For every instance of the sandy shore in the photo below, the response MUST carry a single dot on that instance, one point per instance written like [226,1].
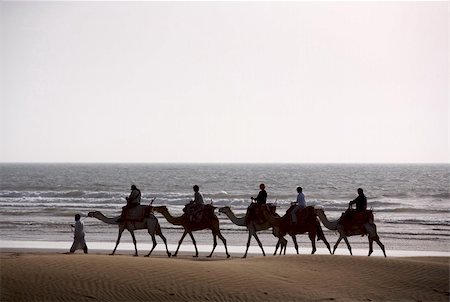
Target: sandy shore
[27,276]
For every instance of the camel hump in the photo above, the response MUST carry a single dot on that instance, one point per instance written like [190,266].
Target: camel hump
[257,212]
[354,218]
[199,212]
[305,212]
[139,213]
[272,208]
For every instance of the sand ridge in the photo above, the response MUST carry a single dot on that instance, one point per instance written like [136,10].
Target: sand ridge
[59,277]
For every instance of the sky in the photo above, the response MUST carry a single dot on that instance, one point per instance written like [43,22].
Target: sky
[257,82]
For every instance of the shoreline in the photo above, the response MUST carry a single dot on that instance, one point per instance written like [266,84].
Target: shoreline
[12,246]
[29,276]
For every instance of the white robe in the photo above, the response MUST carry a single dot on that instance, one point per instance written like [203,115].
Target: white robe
[79,242]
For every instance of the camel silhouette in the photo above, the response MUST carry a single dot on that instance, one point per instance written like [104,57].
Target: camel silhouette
[148,222]
[307,222]
[345,230]
[253,226]
[208,221]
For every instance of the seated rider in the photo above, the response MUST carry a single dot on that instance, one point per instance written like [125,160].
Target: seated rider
[195,205]
[360,201]
[262,195]
[300,204]
[261,199]
[132,201]
[361,205]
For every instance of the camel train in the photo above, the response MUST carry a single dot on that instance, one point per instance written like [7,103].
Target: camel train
[258,218]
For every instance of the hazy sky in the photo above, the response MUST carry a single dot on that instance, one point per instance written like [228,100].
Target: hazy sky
[224,82]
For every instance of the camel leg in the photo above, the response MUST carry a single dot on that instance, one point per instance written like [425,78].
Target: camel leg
[374,237]
[276,247]
[214,245]
[281,243]
[224,243]
[326,243]
[151,228]
[377,240]
[195,244]
[154,244]
[370,246]
[321,236]
[348,245]
[117,241]
[134,242]
[259,243]
[337,243]
[165,243]
[294,239]
[312,237]
[179,243]
[248,244]
[381,246]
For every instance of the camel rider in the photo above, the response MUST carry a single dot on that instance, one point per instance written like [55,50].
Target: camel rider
[198,197]
[261,199]
[132,201]
[195,206]
[262,195]
[361,205]
[300,204]
[360,201]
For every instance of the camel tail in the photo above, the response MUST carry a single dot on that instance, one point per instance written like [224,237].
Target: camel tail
[320,234]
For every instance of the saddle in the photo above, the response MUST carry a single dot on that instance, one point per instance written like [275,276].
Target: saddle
[198,212]
[256,212]
[303,215]
[353,219]
[138,213]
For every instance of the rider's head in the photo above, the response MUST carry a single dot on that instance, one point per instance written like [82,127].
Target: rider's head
[133,187]
[77,217]
[299,189]
[196,188]
[262,186]
[360,191]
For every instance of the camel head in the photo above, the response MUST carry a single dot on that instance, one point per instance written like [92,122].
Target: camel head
[160,209]
[319,210]
[225,210]
[93,214]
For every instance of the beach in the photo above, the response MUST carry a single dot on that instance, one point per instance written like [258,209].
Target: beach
[49,276]
[38,203]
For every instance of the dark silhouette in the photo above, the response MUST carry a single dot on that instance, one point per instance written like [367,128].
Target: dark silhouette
[262,195]
[209,220]
[255,224]
[298,205]
[254,210]
[132,201]
[361,206]
[307,223]
[195,207]
[360,201]
[144,219]
[362,226]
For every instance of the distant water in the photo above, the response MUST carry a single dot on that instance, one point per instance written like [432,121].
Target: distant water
[411,202]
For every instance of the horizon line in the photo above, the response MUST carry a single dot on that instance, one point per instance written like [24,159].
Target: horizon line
[231,163]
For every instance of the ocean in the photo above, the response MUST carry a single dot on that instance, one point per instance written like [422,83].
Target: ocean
[38,201]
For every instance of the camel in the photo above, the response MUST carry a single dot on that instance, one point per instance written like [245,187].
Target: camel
[149,222]
[208,221]
[307,223]
[345,231]
[252,226]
